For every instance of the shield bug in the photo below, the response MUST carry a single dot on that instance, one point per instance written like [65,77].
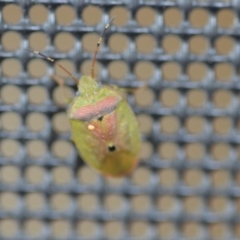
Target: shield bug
[103,125]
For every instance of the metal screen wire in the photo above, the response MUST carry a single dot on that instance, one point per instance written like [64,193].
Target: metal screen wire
[187,185]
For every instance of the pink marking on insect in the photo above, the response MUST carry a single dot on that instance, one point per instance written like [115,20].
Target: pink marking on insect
[96,110]
[103,131]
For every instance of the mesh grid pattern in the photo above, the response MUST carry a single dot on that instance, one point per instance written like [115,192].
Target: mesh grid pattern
[187,184]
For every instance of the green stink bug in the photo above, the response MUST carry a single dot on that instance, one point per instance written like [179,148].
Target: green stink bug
[103,125]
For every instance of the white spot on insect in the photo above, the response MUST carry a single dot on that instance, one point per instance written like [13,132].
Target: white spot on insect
[91,127]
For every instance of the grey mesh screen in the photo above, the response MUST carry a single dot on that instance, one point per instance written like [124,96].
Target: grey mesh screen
[187,185]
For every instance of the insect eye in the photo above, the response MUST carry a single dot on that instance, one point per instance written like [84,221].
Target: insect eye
[100,118]
[111,148]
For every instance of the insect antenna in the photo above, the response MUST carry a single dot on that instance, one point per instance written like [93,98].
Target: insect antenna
[53,61]
[97,48]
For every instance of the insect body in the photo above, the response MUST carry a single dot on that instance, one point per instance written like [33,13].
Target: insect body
[104,127]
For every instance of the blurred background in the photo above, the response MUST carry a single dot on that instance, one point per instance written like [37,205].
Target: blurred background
[187,185]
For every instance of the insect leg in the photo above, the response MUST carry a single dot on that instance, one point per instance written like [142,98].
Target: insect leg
[134,89]
[61,84]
